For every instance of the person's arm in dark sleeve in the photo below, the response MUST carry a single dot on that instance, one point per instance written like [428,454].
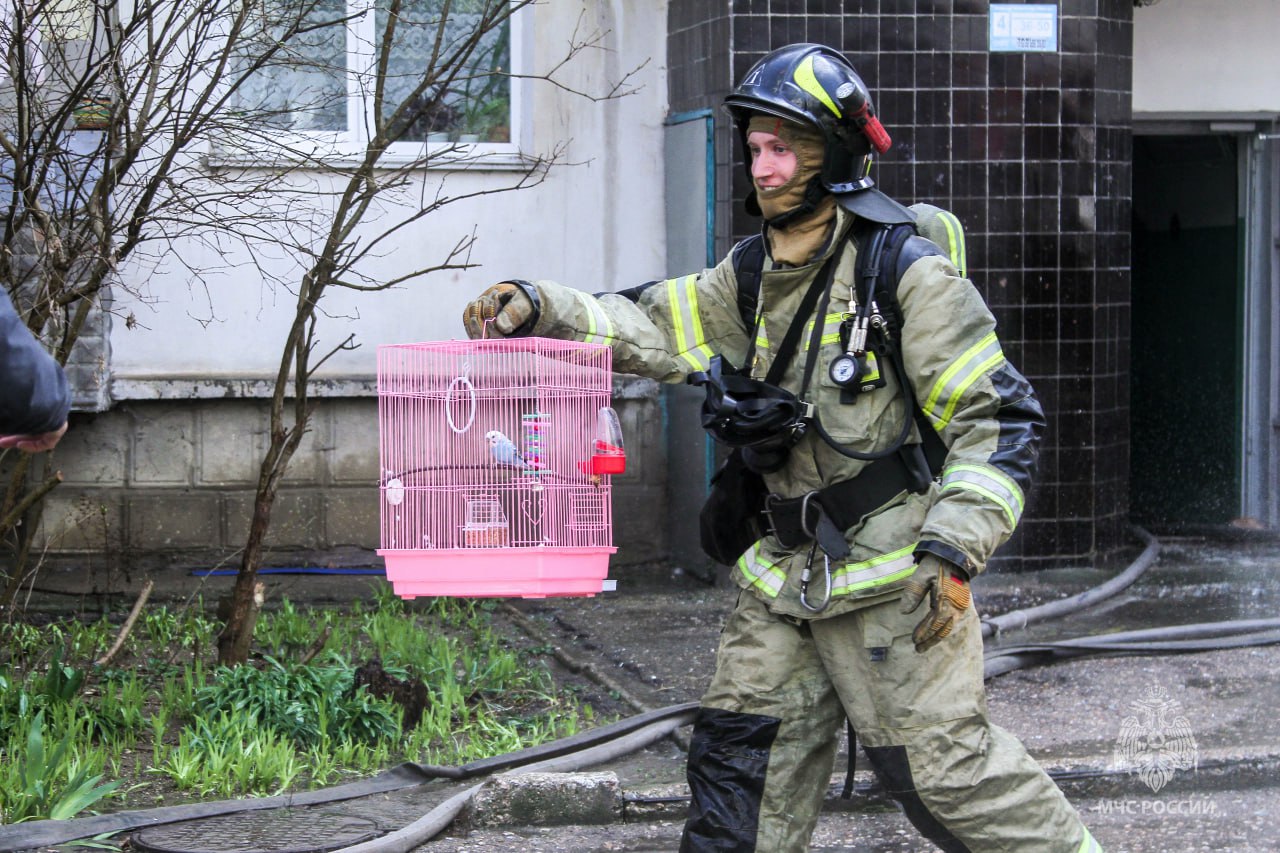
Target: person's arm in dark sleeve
[34,396]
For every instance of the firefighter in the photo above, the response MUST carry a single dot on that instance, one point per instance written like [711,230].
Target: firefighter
[855,603]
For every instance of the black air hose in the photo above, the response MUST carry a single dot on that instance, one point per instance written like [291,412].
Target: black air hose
[1199,637]
[46,833]
[435,821]
[1086,599]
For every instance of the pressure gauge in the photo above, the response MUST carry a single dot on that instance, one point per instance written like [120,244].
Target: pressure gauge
[845,370]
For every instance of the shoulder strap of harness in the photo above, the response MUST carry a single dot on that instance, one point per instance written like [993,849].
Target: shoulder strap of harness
[900,248]
[748,266]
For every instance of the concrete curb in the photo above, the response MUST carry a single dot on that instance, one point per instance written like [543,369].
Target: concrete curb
[547,799]
[558,799]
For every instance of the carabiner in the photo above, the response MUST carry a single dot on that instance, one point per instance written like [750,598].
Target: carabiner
[805,576]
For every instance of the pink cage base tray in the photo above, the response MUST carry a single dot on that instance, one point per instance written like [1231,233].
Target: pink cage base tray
[500,572]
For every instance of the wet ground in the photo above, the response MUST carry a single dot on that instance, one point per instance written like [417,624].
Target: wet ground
[660,640]
[653,641]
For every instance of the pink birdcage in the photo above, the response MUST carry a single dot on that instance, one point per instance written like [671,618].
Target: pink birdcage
[496,458]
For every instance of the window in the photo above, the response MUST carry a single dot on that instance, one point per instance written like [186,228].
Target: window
[322,84]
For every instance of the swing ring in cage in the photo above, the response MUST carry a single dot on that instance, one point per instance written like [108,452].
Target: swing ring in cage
[465,386]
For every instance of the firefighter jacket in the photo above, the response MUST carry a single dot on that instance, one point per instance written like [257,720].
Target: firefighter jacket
[984,410]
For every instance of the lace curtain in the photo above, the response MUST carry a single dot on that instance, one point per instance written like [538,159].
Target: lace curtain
[305,85]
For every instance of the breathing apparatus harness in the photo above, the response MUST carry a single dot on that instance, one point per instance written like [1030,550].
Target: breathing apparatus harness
[763,421]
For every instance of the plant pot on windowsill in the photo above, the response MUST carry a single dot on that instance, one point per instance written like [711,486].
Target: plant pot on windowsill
[93,114]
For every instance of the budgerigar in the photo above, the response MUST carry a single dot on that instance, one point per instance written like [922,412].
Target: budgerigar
[503,450]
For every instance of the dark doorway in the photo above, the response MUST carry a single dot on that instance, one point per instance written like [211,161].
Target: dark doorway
[1187,374]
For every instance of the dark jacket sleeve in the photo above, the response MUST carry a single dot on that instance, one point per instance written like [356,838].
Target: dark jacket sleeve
[34,397]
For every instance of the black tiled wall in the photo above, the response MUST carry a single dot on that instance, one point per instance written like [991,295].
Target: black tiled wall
[1032,152]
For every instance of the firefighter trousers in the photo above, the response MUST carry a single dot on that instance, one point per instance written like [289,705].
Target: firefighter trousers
[764,743]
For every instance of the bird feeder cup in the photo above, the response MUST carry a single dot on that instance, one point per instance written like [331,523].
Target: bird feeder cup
[496,459]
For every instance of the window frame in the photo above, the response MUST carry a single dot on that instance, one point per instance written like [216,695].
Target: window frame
[344,148]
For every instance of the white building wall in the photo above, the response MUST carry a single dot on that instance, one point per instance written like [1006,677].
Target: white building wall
[596,224]
[1207,57]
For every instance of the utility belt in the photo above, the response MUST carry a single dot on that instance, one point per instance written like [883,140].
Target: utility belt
[822,516]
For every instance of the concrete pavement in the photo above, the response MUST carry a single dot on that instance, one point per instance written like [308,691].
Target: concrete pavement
[1078,718]
[1095,723]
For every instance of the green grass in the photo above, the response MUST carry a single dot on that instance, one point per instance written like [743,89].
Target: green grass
[164,724]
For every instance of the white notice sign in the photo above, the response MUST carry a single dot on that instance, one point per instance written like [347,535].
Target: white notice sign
[1024,28]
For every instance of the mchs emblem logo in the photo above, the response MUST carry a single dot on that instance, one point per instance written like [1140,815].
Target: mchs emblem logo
[1156,741]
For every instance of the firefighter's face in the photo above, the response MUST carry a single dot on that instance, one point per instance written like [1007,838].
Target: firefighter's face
[773,161]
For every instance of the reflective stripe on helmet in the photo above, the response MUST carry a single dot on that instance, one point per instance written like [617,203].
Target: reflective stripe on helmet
[878,571]
[691,341]
[807,80]
[989,482]
[975,362]
[762,574]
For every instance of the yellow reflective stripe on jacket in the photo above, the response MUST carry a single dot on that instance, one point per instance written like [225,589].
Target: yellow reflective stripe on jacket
[830,330]
[989,482]
[977,361]
[691,343]
[872,373]
[877,571]
[762,339]
[955,240]
[599,326]
[763,575]
[1089,845]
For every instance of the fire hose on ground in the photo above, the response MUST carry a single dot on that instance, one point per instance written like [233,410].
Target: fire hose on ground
[633,733]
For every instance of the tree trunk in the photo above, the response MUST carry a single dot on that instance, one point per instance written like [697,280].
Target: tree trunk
[247,594]
[234,649]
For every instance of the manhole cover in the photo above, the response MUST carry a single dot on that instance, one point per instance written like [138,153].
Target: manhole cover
[267,831]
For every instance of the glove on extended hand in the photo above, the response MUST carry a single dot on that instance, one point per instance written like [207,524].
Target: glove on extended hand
[949,597]
[506,304]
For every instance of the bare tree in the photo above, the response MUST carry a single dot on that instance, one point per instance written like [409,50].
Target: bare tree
[462,77]
[105,108]
[212,122]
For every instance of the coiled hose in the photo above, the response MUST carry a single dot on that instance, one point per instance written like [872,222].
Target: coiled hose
[625,736]
[580,750]
[1083,601]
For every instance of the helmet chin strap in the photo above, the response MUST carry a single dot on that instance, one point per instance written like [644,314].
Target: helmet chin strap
[814,192]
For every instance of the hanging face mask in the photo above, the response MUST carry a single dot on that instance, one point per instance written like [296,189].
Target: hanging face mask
[764,420]
[759,416]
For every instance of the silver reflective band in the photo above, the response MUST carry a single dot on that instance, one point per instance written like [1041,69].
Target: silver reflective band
[762,574]
[988,482]
[877,571]
[691,341]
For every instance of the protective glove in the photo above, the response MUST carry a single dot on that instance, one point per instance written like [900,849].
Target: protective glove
[506,304]
[949,597]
